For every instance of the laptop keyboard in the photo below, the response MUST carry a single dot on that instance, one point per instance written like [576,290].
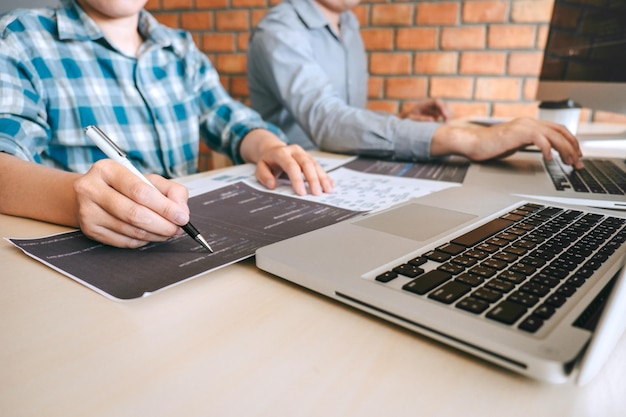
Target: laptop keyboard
[599,176]
[517,269]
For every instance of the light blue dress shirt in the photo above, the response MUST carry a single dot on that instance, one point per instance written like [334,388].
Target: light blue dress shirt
[59,74]
[312,83]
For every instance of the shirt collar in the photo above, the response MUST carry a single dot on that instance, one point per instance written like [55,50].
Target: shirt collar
[313,17]
[75,24]
[309,13]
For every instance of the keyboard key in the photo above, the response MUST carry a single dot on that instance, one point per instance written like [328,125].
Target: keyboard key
[544,311]
[483,271]
[437,256]
[427,282]
[451,248]
[419,261]
[482,232]
[523,298]
[408,270]
[450,292]
[507,312]
[487,294]
[451,268]
[531,324]
[473,305]
[387,276]
[470,279]
[500,285]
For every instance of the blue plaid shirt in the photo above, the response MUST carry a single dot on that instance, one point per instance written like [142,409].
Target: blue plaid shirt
[59,74]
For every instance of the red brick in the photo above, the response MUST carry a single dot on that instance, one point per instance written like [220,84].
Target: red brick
[531,10]
[257,15]
[176,4]
[377,39]
[462,109]
[196,21]
[417,38]
[211,4]
[437,13]
[168,19]
[515,110]
[242,41]
[392,14]
[542,37]
[525,63]
[362,14]
[435,63]
[485,11]
[152,5]
[451,87]
[231,63]
[390,63]
[248,3]
[493,63]
[232,20]
[472,37]
[511,36]
[497,89]
[218,42]
[530,89]
[406,88]
[239,87]
[383,106]
[375,87]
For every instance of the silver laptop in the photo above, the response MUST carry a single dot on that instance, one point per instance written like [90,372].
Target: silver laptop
[601,184]
[518,282]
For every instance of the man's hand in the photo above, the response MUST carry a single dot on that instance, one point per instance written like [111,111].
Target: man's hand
[117,208]
[481,143]
[433,110]
[273,157]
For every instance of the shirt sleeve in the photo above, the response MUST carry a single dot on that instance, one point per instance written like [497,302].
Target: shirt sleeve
[24,131]
[286,63]
[224,121]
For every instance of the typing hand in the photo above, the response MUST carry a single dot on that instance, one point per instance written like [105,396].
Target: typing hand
[483,143]
[117,208]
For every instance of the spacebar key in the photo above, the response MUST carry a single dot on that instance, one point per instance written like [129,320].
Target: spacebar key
[483,232]
[427,282]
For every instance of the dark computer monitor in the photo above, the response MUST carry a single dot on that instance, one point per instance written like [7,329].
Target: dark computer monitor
[585,55]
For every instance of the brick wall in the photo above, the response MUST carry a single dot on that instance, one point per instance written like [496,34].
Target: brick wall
[481,56]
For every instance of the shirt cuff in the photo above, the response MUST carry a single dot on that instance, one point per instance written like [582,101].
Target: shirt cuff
[413,139]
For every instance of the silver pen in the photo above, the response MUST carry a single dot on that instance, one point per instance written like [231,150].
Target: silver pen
[111,150]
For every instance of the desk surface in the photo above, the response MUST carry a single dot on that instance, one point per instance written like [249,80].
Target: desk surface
[240,342]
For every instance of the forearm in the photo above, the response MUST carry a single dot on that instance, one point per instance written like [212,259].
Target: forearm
[37,191]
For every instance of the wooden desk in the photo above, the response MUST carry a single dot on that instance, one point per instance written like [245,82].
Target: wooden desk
[239,342]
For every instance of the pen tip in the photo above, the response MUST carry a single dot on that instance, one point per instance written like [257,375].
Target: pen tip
[204,243]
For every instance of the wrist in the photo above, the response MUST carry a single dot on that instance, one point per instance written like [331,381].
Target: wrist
[256,143]
[453,140]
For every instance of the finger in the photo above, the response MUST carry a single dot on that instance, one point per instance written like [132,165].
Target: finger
[99,225]
[559,138]
[175,192]
[265,175]
[294,172]
[311,170]
[138,217]
[134,188]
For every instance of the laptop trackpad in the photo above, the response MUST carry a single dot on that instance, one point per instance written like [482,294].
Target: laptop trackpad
[415,221]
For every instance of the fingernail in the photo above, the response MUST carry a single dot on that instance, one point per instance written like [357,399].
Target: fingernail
[181,218]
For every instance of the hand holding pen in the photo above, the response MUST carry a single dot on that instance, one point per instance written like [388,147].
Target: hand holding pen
[115,210]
